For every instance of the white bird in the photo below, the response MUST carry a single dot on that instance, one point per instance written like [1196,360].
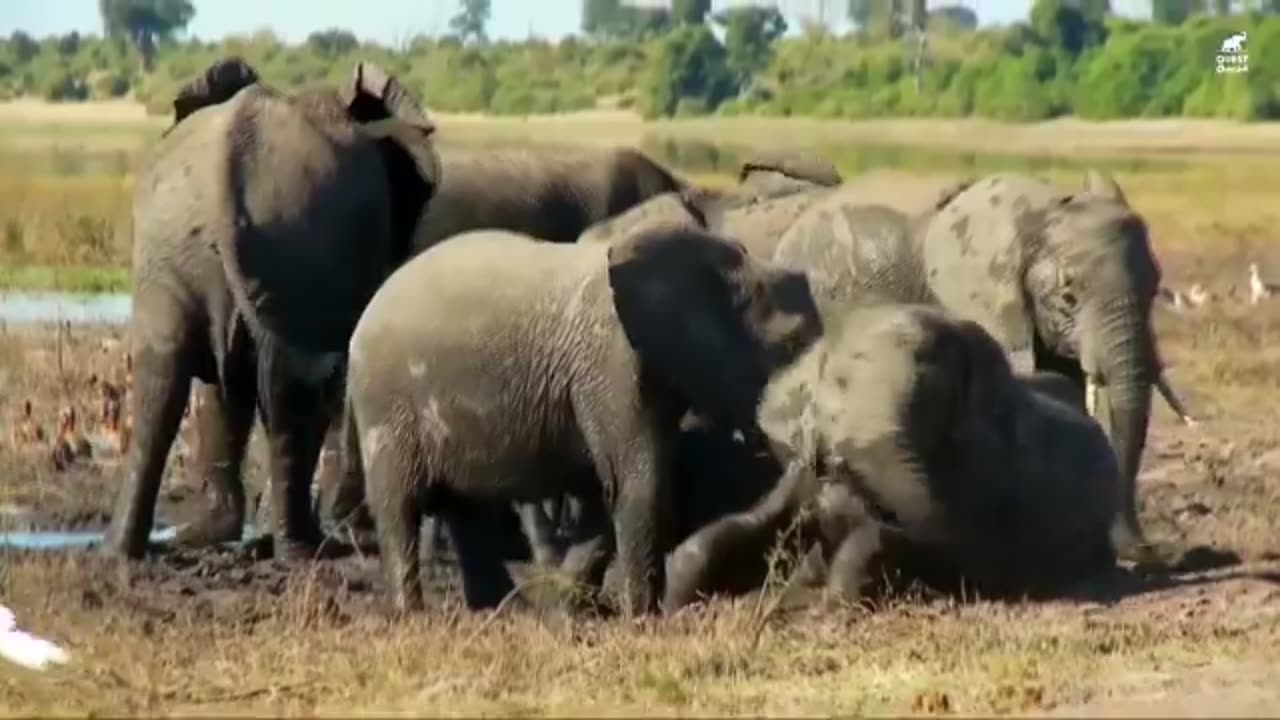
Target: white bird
[1175,299]
[1197,295]
[25,649]
[1259,289]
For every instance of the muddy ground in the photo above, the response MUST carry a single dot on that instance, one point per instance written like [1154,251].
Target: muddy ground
[1203,640]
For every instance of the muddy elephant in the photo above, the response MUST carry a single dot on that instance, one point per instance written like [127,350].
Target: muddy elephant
[530,370]
[906,437]
[1065,282]
[771,174]
[262,226]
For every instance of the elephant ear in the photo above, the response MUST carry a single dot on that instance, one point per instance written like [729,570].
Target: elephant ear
[374,95]
[950,191]
[694,308]
[1100,184]
[974,259]
[218,83]
[390,114]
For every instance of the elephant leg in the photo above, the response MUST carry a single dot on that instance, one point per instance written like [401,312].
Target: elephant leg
[733,550]
[295,417]
[851,538]
[540,532]
[485,579]
[222,429]
[396,507]
[162,366]
[639,508]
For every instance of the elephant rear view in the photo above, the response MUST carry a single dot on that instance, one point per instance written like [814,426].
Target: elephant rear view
[530,369]
[262,226]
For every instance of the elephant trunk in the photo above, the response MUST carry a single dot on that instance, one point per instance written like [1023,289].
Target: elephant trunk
[1121,357]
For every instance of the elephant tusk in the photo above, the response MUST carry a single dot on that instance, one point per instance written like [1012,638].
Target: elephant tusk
[1171,397]
[1090,396]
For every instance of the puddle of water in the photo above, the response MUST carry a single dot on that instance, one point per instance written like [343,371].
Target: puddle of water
[80,539]
[29,308]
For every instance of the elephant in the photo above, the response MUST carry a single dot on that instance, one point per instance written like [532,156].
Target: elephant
[239,214]
[1064,282]
[771,174]
[553,194]
[530,370]
[906,437]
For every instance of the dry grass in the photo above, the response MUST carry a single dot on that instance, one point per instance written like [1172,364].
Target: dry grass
[302,652]
[251,638]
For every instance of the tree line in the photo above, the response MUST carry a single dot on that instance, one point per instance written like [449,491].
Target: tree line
[1070,57]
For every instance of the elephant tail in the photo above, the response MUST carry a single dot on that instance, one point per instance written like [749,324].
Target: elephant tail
[350,495]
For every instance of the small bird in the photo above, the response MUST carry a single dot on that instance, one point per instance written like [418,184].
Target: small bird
[1259,289]
[1175,299]
[25,649]
[70,445]
[25,431]
[1198,296]
[116,425]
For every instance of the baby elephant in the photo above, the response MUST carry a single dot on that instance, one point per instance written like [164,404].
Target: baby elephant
[905,436]
[496,369]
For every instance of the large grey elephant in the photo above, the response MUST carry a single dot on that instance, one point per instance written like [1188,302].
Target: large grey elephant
[1064,282]
[905,434]
[529,370]
[262,226]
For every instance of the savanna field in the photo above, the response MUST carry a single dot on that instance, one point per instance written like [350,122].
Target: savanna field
[225,633]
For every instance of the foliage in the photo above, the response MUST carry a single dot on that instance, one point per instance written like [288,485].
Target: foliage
[143,23]
[1071,57]
[469,23]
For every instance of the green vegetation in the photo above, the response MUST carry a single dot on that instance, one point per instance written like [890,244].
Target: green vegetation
[1069,58]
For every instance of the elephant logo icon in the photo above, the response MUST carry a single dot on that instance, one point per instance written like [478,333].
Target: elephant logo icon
[1234,43]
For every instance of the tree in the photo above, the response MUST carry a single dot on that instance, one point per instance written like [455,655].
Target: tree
[470,20]
[749,33]
[598,16]
[332,42]
[860,13]
[1170,12]
[689,71]
[143,23]
[690,12]
[957,16]
[1063,24]
[612,19]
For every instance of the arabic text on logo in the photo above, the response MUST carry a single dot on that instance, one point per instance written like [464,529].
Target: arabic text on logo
[1232,57]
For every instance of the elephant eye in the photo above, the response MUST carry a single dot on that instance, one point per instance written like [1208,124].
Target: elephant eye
[1070,299]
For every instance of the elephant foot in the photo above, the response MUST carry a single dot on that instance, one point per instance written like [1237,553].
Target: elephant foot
[213,529]
[321,547]
[686,567]
[1130,546]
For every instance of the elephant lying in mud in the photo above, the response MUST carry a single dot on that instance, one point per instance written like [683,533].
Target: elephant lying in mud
[231,241]
[1064,282]
[905,435]
[529,370]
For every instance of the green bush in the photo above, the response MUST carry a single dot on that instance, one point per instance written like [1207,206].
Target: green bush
[1063,61]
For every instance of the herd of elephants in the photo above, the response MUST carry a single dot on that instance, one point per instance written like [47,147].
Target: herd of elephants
[636,380]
